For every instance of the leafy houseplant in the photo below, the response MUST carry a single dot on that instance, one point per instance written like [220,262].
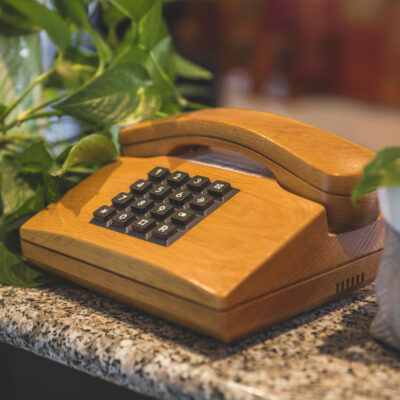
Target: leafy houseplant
[383,173]
[114,65]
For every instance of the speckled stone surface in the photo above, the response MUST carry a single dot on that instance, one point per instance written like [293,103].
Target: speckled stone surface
[324,354]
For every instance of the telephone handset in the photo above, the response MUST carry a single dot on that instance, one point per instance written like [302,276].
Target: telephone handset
[221,252]
[305,160]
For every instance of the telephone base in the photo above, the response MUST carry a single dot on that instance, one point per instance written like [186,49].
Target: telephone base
[226,325]
[262,256]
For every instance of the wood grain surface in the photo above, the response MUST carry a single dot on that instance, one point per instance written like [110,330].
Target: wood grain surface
[260,242]
[305,160]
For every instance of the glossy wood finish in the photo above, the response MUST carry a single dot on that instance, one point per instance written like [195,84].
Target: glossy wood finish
[263,243]
[305,160]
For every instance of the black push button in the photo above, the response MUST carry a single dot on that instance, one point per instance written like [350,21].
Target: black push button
[164,206]
[219,188]
[104,213]
[161,211]
[183,217]
[201,202]
[123,219]
[141,186]
[164,231]
[198,183]
[143,224]
[141,205]
[158,174]
[178,178]
[180,197]
[122,200]
[159,191]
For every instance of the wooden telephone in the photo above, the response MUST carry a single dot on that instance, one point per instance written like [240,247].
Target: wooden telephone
[247,252]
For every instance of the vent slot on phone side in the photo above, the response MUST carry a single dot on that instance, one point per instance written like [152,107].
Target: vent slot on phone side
[350,282]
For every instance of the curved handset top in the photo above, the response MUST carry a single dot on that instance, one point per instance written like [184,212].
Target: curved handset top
[305,160]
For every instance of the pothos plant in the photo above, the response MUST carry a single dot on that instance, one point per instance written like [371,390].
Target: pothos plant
[120,69]
[382,171]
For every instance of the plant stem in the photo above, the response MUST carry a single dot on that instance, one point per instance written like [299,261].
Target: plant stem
[20,120]
[35,82]
[32,110]
[13,138]
[181,100]
[195,106]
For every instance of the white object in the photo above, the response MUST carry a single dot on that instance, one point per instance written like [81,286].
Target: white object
[386,324]
[389,201]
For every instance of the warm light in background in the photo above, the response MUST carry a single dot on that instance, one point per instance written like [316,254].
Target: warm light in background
[332,63]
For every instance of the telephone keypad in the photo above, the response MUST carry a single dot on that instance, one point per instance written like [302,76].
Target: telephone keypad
[201,202]
[198,183]
[164,230]
[141,205]
[180,197]
[143,224]
[158,174]
[219,188]
[183,216]
[164,207]
[159,191]
[122,200]
[161,211]
[178,178]
[141,186]
[104,213]
[123,219]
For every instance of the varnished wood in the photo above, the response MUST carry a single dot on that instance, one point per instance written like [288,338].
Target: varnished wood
[263,242]
[226,325]
[305,160]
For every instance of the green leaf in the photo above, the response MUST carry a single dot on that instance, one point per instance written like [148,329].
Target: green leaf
[187,69]
[134,9]
[18,72]
[52,191]
[35,158]
[30,206]
[128,39]
[163,80]
[132,54]
[2,108]
[92,148]
[170,108]
[75,70]
[192,90]
[149,103]
[150,26]
[63,155]
[78,14]
[162,53]
[14,23]
[109,98]
[112,16]
[49,20]
[14,188]
[71,10]
[15,270]
[383,170]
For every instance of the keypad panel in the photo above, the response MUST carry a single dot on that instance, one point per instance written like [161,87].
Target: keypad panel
[163,207]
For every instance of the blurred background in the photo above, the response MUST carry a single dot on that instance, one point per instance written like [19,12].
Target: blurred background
[334,64]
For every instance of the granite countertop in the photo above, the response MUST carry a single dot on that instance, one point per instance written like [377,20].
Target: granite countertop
[326,353]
